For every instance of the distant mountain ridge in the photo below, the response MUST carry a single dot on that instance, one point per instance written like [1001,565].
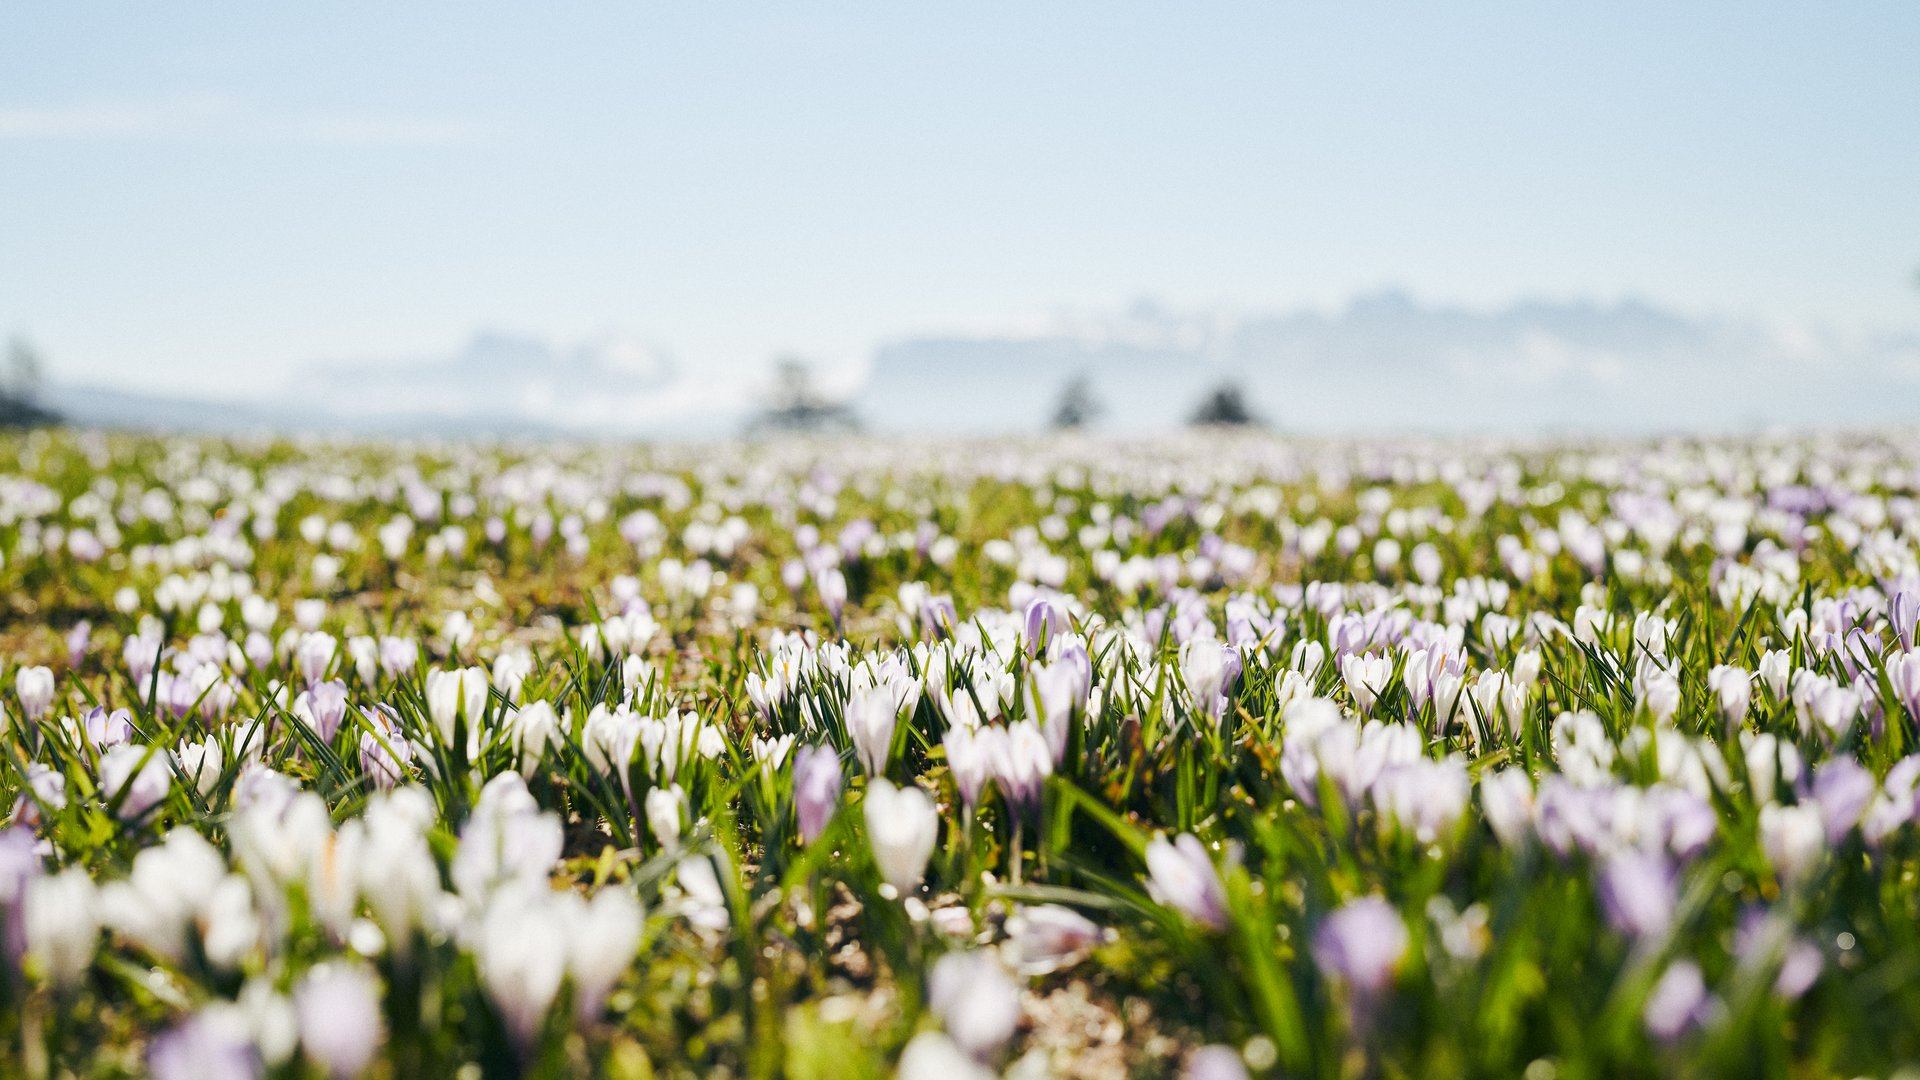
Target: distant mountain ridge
[1388,362]
[1383,362]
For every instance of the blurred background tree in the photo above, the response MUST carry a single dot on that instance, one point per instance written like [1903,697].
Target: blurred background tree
[1078,407]
[20,391]
[797,404]
[1225,406]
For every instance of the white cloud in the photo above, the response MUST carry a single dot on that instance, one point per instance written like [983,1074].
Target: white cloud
[608,385]
[223,117]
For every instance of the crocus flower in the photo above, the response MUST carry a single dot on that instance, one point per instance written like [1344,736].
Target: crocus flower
[323,708]
[1678,1002]
[1362,944]
[1047,937]
[1637,894]
[19,866]
[931,1055]
[200,763]
[816,789]
[1903,672]
[1776,672]
[604,935]
[457,696]
[706,901]
[1047,617]
[871,714]
[142,655]
[535,727]
[385,753]
[313,654]
[1903,611]
[970,753]
[1424,799]
[1733,688]
[1842,789]
[34,686]
[1794,839]
[78,639]
[1181,875]
[1366,678]
[832,585]
[60,924]
[104,730]
[975,1000]
[1209,669]
[522,958]
[203,1047]
[666,807]
[938,616]
[46,790]
[1661,695]
[1506,801]
[1021,764]
[137,778]
[1054,693]
[1217,1062]
[902,826]
[337,1006]
[1764,939]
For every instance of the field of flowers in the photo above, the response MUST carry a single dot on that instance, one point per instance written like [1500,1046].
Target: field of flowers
[1207,756]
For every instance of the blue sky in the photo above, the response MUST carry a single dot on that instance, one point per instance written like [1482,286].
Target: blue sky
[207,198]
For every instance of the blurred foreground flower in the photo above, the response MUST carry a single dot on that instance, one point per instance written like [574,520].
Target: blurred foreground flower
[1181,875]
[975,1000]
[902,826]
[1362,944]
[338,1009]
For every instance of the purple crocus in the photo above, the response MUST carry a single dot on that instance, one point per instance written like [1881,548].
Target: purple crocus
[1763,939]
[817,780]
[1362,944]
[104,730]
[1842,788]
[1047,618]
[938,616]
[200,1048]
[1637,894]
[19,864]
[78,639]
[1903,610]
[327,708]
[1678,1002]
[142,653]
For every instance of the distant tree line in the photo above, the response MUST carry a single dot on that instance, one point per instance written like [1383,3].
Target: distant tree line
[1224,406]
[795,403]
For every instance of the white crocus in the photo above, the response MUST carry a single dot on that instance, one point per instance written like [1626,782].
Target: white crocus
[61,926]
[902,826]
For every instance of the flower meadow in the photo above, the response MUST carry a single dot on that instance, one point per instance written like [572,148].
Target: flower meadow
[1210,755]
